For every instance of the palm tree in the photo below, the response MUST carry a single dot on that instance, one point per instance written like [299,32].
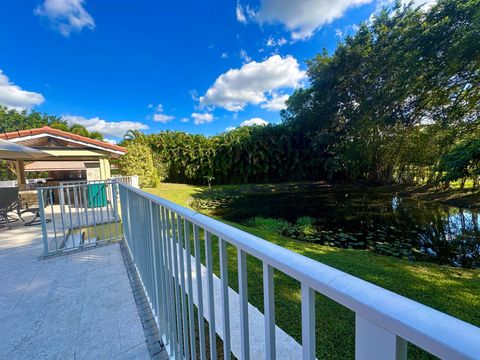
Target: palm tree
[132,135]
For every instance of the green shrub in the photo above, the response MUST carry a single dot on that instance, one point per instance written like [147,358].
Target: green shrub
[139,161]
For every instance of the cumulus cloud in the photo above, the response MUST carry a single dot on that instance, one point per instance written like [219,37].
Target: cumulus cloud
[254,121]
[14,97]
[275,103]
[236,88]
[302,17]
[66,15]
[204,118]
[162,118]
[184,120]
[106,128]
[159,116]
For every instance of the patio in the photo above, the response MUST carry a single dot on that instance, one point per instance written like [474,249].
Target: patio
[78,306]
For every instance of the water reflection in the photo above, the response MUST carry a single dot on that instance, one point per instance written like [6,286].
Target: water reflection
[387,224]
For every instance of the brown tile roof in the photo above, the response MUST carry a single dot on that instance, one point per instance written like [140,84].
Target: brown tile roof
[64,134]
[55,165]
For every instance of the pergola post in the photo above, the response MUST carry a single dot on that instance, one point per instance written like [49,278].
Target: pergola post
[20,170]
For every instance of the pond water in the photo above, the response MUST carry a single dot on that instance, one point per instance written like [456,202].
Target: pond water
[378,221]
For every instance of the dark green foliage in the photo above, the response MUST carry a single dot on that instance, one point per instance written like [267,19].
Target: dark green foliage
[461,162]
[13,120]
[370,101]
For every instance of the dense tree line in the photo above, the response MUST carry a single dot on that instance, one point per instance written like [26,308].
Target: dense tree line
[398,101]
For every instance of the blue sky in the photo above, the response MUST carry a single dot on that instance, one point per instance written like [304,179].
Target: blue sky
[196,66]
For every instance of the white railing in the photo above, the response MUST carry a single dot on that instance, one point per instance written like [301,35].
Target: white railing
[131,180]
[159,235]
[77,214]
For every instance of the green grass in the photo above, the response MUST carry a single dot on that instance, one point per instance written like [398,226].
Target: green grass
[451,290]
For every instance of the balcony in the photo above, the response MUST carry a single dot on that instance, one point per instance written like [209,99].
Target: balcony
[125,274]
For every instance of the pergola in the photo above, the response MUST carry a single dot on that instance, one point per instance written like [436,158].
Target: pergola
[55,147]
[14,152]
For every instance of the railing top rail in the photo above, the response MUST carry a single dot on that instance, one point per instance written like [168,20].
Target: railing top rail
[432,330]
[76,184]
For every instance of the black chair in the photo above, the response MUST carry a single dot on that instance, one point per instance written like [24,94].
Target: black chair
[9,202]
[36,211]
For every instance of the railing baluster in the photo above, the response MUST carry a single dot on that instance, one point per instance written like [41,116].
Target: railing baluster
[198,275]
[162,266]
[173,328]
[243,293]
[84,195]
[373,342]
[53,217]
[308,322]
[211,299]
[176,285]
[157,269]
[46,249]
[181,259]
[269,310]
[225,304]
[191,313]
[168,280]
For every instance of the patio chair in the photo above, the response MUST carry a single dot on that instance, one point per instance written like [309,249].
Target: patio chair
[9,202]
[36,210]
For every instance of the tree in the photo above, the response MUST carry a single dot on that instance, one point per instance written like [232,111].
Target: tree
[139,161]
[132,135]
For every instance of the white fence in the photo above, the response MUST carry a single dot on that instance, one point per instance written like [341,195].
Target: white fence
[158,232]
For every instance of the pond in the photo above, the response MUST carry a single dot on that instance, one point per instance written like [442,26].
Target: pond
[361,219]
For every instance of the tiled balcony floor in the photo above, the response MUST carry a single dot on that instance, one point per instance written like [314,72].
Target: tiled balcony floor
[78,306]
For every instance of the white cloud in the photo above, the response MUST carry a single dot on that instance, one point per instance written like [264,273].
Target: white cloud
[184,120]
[230,128]
[275,103]
[303,17]
[254,121]
[276,42]
[66,15]
[202,118]
[162,118]
[14,97]
[236,88]
[158,116]
[244,56]
[110,141]
[240,14]
[106,128]
[224,55]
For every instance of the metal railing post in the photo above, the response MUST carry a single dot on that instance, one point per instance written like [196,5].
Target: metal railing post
[46,250]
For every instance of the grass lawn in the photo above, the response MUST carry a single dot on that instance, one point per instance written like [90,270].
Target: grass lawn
[451,290]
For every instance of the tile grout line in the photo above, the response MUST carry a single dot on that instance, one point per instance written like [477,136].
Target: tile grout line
[155,346]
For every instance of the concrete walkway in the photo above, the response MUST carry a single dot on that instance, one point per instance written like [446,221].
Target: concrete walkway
[78,306]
